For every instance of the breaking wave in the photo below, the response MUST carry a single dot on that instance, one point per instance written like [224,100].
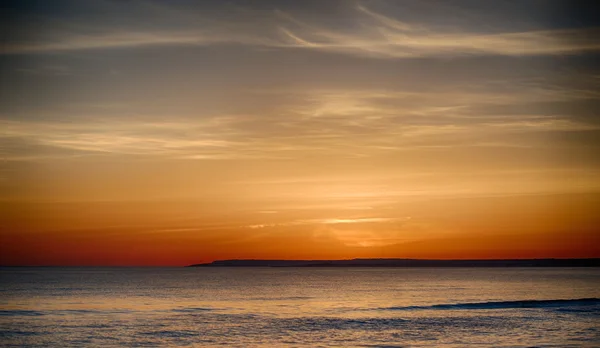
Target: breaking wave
[583,302]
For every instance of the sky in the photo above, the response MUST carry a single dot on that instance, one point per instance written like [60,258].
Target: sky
[180,132]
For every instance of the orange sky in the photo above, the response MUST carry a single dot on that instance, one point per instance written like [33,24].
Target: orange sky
[179,233]
[146,133]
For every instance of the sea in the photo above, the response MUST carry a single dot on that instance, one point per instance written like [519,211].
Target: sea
[299,307]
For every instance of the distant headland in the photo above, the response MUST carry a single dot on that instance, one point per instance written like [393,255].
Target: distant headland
[593,262]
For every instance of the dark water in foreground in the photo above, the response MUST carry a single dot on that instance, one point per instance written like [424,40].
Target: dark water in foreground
[373,307]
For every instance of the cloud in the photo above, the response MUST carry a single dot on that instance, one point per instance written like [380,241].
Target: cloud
[126,39]
[394,38]
[332,221]
[365,33]
[347,123]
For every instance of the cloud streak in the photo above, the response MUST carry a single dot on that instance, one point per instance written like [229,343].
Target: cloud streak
[389,38]
[342,122]
[367,33]
[365,220]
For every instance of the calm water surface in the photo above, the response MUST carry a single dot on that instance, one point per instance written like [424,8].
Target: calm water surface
[245,307]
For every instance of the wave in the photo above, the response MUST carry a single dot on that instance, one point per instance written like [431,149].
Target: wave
[583,302]
[33,313]
[192,309]
[287,298]
[171,333]
[19,312]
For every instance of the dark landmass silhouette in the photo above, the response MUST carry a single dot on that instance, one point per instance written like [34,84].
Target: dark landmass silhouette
[593,262]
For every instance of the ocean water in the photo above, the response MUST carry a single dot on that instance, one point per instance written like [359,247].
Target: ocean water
[317,307]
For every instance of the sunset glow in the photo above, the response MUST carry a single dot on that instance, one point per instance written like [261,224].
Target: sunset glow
[173,133]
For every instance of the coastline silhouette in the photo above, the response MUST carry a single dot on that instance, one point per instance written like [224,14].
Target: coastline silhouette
[583,262]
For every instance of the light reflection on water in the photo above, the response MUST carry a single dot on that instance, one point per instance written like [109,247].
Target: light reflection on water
[298,306]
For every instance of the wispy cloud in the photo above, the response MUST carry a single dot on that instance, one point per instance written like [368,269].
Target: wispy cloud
[108,40]
[368,33]
[138,138]
[333,221]
[342,122]
[391,38]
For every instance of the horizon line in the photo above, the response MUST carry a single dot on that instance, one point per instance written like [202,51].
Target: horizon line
[306,260]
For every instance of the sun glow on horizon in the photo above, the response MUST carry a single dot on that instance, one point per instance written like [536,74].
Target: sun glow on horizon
[161,133]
